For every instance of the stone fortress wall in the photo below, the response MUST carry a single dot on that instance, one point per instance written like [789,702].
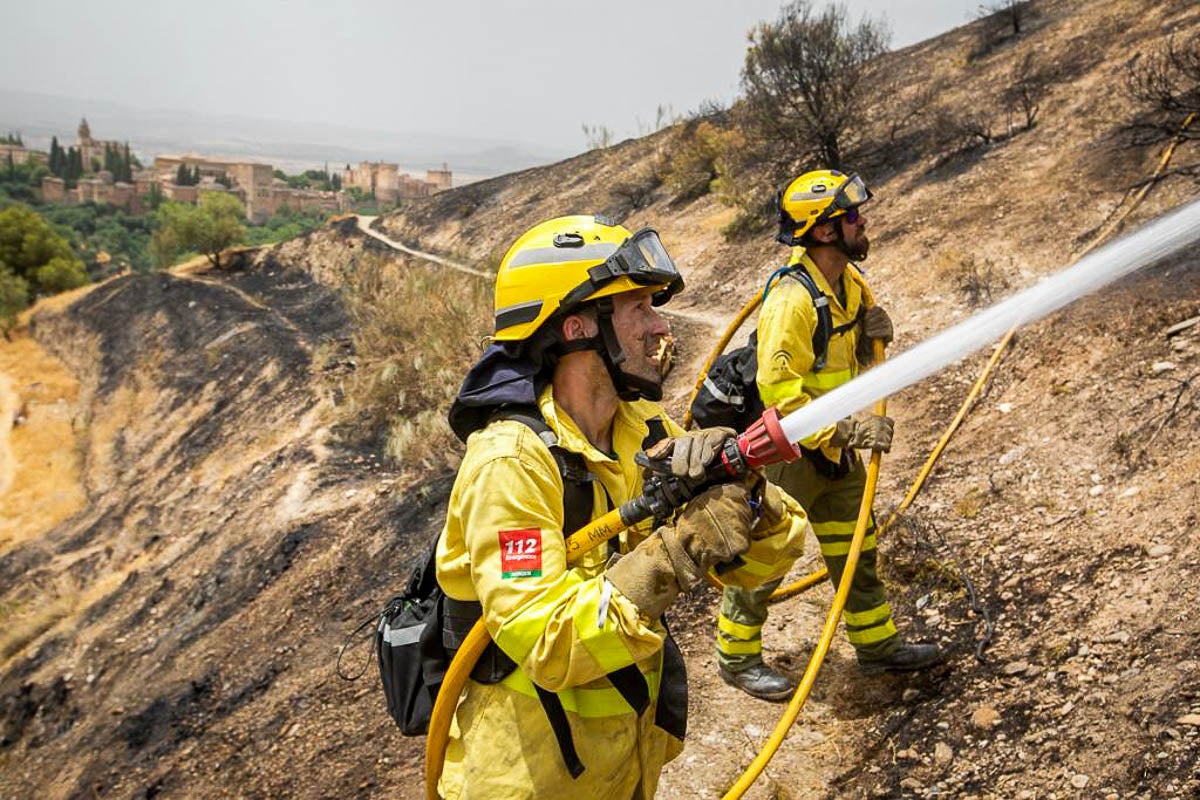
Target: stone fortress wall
[253,182]
[387,184]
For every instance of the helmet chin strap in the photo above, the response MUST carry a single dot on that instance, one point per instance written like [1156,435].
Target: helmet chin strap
[608,347]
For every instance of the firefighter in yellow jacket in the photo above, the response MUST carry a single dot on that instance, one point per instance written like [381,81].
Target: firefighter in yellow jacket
[821,219]
[583,693]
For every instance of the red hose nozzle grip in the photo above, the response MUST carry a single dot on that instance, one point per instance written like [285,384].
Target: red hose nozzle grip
[763,442]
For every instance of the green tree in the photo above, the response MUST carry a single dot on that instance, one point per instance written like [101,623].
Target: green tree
[56,157]
[14,296]
[73,169]
[34,252]
[154,197]
[127,169]
[208,228]
[804,77]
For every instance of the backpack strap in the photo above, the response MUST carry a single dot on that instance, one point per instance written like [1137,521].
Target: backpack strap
[825,330]
[840,329]
[577,481]
[561,727]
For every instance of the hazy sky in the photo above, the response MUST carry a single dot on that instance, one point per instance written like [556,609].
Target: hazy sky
[521,70]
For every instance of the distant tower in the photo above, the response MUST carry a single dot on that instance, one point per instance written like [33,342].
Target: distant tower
[440,178]
[87,146]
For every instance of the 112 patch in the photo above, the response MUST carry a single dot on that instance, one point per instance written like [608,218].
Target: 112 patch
[521,553]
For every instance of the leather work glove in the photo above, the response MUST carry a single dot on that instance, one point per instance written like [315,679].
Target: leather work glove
[712,529]
[876,324]
[693,452]
[871,433]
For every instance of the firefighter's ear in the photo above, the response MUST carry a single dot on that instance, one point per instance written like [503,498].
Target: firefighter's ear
[578,326]
[825,233]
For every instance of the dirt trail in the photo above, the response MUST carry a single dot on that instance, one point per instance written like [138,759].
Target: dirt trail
[364,224]
[39,456]
[8,411]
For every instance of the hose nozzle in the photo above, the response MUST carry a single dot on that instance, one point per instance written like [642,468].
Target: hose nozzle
[764,442]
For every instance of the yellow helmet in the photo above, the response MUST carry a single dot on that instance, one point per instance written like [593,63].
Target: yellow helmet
[560,264]
[817,197]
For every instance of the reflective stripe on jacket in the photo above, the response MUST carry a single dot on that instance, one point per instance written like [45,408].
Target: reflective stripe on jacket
[785,354]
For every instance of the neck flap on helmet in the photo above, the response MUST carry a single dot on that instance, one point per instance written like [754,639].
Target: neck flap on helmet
[506,374]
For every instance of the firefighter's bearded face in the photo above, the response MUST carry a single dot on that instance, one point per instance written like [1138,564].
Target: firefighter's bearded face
[855,243]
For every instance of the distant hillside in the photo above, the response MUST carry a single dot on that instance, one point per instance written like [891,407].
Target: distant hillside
[152,131]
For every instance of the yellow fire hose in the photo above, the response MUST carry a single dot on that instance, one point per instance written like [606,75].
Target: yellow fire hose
[742,785]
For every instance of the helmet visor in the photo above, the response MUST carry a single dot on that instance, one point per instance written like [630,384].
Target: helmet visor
[850,194]
[643,259]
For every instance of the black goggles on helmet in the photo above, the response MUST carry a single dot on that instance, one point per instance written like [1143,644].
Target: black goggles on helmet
[641,258]
[851,194]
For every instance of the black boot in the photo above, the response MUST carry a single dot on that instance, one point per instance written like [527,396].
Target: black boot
[760,681]
[903,658]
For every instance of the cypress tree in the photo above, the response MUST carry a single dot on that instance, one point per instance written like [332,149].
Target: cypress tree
[74,165]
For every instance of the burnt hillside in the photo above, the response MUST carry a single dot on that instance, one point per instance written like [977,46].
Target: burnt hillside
[178,636]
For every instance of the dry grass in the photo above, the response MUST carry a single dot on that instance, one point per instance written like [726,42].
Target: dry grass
[39,454]
[978,280]
[970,504]
[418,331]
[691,168]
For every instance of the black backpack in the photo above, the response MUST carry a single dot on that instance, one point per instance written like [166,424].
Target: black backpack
[729,396]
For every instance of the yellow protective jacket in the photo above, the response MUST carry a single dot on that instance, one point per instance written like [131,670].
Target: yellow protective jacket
[566,628]
[786,324]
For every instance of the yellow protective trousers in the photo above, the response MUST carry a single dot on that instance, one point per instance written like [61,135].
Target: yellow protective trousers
[832,506]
